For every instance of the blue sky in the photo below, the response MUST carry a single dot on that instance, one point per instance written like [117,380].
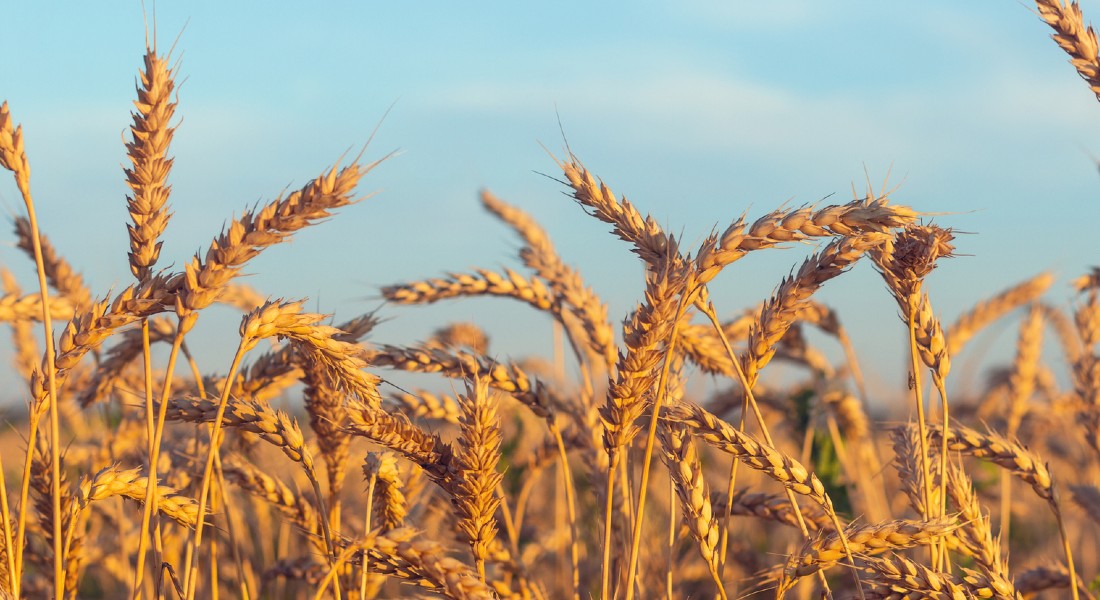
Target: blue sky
[696,111]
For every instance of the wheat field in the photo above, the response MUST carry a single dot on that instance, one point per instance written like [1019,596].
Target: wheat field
[306,468]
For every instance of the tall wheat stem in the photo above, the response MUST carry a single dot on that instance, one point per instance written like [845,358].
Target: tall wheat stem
[922,430]
[154,450]
[22,180]
[151,432]
[5,513]
[658,401]
[571,507]
[189,578]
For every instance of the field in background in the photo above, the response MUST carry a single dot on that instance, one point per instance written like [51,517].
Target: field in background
[596,475]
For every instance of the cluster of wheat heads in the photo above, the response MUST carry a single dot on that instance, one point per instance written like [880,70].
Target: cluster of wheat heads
[611,483]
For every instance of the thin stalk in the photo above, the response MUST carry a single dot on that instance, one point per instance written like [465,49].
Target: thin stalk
[51,378]
[914,357]
[658,401]
[188,580]
[34,418]
[942,389]
[605,570]
[509,523]
[154,448]
[234,546]
[365,575]
[151,433]
[1066,548]
[5,513]
[571,507]
[671,536]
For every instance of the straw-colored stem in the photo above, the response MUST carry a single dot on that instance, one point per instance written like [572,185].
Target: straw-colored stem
[671,537]
[234,546]
[1066,548]
[368,513]
[150,432]
[154,447]
[571,507]
[23,183]
[5,513]
[605,569]
[942,389]
[922,430]
[651,439]
[24,491]
[189,578]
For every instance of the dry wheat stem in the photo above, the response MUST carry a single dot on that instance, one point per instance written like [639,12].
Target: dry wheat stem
[13,157]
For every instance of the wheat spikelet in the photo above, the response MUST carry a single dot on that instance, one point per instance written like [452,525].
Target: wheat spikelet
[206,277]
[779,313]
[15,308]
[325,405]
[649,240]
[395,432]
[127,349]
[639,368]
[505,377]
[27,354]
[113,481]
[274,427]
[1088,498]
[454,579]
[427,405]
[910,474]
[974,533]
[748,450]
[1024,368]
[1037,579]
[1012,456]
[826,550]
[1072,36]
[682,460]
[13,156]
[390,505]
[272,491]
[148,148]
[771,507]
[475,464]
[341,361]
[480,283]
[897,577]
[700,343]
[865,215]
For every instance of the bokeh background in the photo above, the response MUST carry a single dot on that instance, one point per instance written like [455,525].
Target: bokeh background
[696,111]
